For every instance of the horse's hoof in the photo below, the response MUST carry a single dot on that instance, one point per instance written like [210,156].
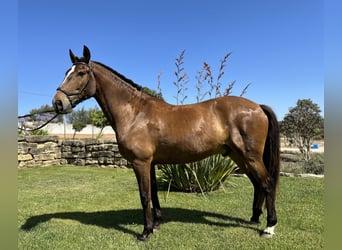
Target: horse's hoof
[142,238]
[268,232]
[267,235]
[156,228]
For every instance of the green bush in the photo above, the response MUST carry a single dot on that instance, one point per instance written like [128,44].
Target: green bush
[201,176]
[39,132]
[315,165]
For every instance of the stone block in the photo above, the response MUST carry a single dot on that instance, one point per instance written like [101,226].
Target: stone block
[25,157]
[76,149]
[92,162]
[23,148]
[68,155]
[41,139]
[92,148]
[108,161]
[51,163]
[44,157]
[91,141]
[73,143]
[107,154]
[78,162]
[63,161]
[65,148]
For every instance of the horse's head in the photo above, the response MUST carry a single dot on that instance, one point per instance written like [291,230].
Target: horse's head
[78,84]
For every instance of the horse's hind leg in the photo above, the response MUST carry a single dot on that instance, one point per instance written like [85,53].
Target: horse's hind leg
[270,193]
[259,195]
[263,182]
[157,217]
[249,158]
[258,200]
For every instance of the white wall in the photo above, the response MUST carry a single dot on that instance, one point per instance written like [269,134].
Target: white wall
[60,128]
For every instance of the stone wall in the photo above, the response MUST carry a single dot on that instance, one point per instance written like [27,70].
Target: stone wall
[50,150]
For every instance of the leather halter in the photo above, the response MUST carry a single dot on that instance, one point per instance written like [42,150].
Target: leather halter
[78,93]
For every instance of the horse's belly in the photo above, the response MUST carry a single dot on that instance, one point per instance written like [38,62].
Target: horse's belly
[187,151]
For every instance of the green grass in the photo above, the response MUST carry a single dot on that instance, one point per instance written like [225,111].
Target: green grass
[89,208]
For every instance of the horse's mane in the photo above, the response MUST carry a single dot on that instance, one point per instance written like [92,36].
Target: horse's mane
[122,77]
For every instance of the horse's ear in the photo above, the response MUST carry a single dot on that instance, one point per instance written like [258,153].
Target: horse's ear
[86,54]
[73,58]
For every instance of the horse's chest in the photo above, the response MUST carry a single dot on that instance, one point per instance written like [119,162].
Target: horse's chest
[135,146]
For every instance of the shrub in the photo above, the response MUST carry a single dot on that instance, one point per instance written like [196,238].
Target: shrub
[201,176]
[39,132]
[315,165]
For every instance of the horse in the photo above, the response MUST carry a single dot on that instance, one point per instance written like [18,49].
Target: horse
[150,131]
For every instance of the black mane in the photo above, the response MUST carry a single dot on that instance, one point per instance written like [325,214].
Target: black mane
[125,79]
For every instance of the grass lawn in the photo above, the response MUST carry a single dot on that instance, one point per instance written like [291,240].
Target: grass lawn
[90,208]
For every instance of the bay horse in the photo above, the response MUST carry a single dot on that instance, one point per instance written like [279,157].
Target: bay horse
[150,131]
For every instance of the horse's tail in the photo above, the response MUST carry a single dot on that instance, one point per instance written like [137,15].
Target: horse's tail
[271,155]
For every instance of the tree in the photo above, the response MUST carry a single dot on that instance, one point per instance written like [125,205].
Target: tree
[302,124]
[152,92]
[79,120]
[98,119]
[44,113]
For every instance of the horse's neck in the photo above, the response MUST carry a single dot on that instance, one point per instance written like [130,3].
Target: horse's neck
[119,101]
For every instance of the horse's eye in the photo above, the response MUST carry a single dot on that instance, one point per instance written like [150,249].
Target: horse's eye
[80,73]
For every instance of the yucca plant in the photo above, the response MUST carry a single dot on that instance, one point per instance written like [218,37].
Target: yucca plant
[201,176]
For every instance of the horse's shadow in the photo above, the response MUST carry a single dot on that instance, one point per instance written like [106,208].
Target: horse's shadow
[119,218]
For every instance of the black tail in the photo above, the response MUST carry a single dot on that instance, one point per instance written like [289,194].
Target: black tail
[271,155]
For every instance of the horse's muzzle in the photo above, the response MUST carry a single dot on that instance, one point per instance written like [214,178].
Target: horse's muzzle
[61,104]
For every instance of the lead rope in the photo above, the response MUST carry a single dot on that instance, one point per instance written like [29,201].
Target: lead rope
[41,126]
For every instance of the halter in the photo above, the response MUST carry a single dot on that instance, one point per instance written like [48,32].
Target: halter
[78,93]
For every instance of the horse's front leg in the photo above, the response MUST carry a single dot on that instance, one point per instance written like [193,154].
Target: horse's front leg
[157,216]
[142,173]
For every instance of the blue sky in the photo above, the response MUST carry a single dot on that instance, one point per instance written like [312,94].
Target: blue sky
[277,46]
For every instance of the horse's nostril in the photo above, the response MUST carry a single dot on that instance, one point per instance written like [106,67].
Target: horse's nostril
[58,105]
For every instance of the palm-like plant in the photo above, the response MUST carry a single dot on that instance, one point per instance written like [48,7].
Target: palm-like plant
[201,176]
